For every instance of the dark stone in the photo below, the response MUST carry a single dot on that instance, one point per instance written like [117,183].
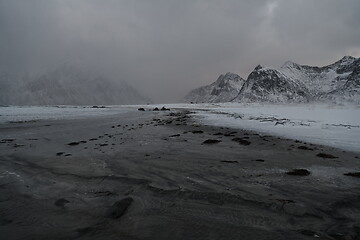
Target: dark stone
[211,141]
[299,172]
[4,222]
[165,109]
[141,109]
[259,160]
[353,174]
[197,132]
[73,143]
[61,202]
[230,134]
[228,161]
[156,109]
[285,201]
[104,193]
[98,107]
[325,155]
[217,134]
[59,153]
[305,148]
[119,208]
[18,145]
[241,141]
[175,135]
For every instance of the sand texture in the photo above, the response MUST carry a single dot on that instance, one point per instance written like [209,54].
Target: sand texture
[161,175]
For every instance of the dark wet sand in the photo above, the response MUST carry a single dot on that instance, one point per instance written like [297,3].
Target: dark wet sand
[148,175]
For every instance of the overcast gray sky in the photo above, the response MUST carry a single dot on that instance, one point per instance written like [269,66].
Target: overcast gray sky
[165,48]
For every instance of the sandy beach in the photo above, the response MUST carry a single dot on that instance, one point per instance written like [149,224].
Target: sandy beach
[161,175]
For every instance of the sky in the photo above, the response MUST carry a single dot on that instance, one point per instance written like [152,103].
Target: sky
[165,48]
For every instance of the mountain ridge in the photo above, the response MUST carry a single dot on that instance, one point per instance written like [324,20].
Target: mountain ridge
[224,88]
[338,82]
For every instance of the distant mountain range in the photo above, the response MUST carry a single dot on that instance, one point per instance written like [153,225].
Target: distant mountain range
[67,85]
[338,83]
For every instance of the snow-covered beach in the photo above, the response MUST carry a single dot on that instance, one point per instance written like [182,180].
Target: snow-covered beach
[191,172]
[334,126]
[331,125]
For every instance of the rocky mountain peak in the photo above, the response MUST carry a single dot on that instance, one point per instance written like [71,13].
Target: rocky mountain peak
[224,89]
[338,82]
[258,67]
[347,59]
[228,77]
[290,64]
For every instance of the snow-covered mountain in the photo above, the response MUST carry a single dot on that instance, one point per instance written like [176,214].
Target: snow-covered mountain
[224,89]
[338,82]
[68,85]
[348,82]
[271,85]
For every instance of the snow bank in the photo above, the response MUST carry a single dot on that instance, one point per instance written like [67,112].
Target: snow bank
[335,126]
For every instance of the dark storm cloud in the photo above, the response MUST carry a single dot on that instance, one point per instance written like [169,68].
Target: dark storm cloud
[165,48]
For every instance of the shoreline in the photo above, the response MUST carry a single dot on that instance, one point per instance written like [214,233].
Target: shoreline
[180,186]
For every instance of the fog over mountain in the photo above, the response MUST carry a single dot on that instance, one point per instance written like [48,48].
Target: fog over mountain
[68,85]
[166,48]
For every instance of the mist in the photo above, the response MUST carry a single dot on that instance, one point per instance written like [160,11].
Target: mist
[166,48]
